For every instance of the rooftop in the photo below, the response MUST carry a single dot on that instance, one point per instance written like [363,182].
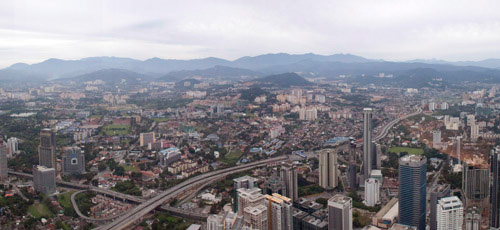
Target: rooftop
[340,199]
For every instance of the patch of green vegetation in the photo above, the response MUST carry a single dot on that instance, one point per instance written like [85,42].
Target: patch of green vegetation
[411,151]
[163,221]
[160,119]
[127,187]
[113,130]
[232,157]
[310,189]
[84,201]
[40,211]
[64,199]
[130,168]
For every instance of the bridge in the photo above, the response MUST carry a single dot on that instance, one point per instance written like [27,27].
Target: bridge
[139,211]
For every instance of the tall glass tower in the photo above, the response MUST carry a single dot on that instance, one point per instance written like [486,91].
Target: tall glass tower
[367,143]
[412,190]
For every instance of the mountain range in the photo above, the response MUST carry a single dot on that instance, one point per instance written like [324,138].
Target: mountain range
[248,68]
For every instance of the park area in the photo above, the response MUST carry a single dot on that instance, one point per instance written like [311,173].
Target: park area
[411,151]
[40,210]
[113,130]
[232,157]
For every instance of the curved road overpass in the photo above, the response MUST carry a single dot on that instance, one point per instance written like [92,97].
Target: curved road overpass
[387,127]
[139,211]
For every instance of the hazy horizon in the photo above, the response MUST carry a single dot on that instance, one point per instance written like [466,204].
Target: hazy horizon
[389,30]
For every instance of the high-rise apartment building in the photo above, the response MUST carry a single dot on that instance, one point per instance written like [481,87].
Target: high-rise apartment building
[340,213]
[412,190]
[372,192]
[3,162]
[279,212]
[495,188]
[13,146]
[256,217]
[47,149]
[147,138]
[367,143]
[472,219]
[73,161]
[436,139]
[450,213]
[475,181]
[288,175]
[437,192]
[44,179]
[249,198]
[328,177]
[247,182]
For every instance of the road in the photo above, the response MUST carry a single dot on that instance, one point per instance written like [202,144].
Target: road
[139,211]
[387,127]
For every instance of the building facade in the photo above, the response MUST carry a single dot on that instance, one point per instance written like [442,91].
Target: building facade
[367,143]
[44,179]
[256,217]
[47,149]
[279,212]
[73,161]
[288,175]
[437,192]
[475,181]
[450,213]
[494,188]
[328,177]
[372,192]
[340,213]
[412,190]
[147,138]
[3,162]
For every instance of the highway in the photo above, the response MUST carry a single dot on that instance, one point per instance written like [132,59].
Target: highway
[387,127]
[141,210]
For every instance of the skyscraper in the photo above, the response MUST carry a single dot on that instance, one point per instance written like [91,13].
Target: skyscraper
[450,213]
[367,143]
[289,177]
[495,189]
[377,151]
[475,181]
[3,162]
[328,169]
[412,190]
[472,219]
[436,139]
[372,191]
[47,149]
[13,146]
[44,179]
[279,212]
[147,138]
[249,198]
[247,182]
[437,192]
[256,217]
[340,213]
[73,161]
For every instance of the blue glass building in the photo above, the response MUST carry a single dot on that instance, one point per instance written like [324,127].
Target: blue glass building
[412,190]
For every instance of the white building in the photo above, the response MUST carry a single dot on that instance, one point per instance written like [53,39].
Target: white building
[445,106]
[449,213]
[432,106]
[474,131]
[340,213]
[372,192]
[436,139]
[12,145]
[311,114]
[249,198]
[320,98]
[256,217]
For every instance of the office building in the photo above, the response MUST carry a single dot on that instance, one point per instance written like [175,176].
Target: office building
[437,192]
[340,213]
[44,179]
[273,184]
[474,131]
[450,213]
[328,176]
[249,198]
[367,143]
[47,149]
[147,138]
[13,146]
[247,182]
[494,188]
[256,217]
[288,175]
[3,162]
[472,219]
[412,190]
[73,161]
[279,212]
[436,139]
[475,181]
[372,192]
[377,152]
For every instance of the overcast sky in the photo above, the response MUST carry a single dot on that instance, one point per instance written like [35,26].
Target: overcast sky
[32,31]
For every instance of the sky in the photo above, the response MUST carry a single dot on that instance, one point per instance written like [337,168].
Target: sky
[32,31]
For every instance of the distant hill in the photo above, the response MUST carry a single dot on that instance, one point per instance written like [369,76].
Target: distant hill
[285,80]
[222,72]
[182,83]
[111,76]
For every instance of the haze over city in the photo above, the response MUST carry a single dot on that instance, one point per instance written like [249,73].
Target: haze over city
[249,115]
